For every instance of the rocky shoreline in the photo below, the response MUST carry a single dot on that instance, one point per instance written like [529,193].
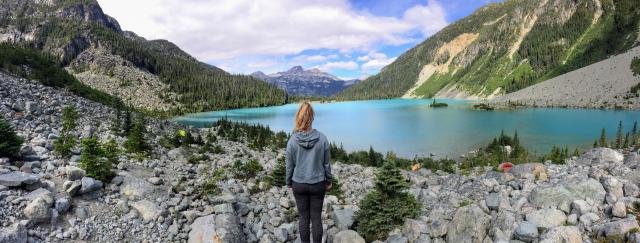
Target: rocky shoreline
[155,199]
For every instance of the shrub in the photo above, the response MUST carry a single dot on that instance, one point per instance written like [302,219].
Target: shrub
[10,142]
[92,160]
[67,141]
[290,215]
[635,66]
[279,173]
[336,189]
[386,207]
[217,149]
[246,170]
[111,151]
[116,122]
[557,155]
[197,159]
[210,186]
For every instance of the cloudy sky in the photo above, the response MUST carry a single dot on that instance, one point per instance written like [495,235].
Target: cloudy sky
[348,38]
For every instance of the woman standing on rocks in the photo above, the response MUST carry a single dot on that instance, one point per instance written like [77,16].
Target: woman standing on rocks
[308,172]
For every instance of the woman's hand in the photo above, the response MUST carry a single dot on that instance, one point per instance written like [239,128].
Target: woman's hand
[329,186]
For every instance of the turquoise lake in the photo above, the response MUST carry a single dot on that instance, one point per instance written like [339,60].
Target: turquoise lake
[410,127]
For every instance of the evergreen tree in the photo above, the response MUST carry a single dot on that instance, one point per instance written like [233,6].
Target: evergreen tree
[111,151]
[386,207]
[279,173]
[126,122]
[116,122]
[135,140]
[603,138]
[625,144]
[336,189]
[634,134]
[63,145]
[10,142]
[372,156]
[595,143]
[93,162]
[618,143]
[576,152]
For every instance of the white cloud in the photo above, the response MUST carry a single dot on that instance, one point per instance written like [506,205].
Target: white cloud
[262,64]
[341,65]
[375,60]
[222,29]
[364,58]
[315,58]
[430,18]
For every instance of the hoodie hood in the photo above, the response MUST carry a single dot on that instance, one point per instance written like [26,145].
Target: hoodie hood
[307,140]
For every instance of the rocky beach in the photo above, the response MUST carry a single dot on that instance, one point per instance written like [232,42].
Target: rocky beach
[157,198]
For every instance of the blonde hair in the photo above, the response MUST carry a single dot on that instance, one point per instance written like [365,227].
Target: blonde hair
[304,117]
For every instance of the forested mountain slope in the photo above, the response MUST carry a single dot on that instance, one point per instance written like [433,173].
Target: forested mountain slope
[153,75]
[504,47]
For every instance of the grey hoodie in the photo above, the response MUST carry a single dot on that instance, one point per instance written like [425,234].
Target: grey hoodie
[308,159]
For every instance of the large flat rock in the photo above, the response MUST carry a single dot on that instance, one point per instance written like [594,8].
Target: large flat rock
[16,179]
[567,192]
[216,228]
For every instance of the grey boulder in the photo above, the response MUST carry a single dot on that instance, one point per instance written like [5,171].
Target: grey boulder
[348,236]
[216,228]
[16,179]
[567,192]
[469,224]
[89,185]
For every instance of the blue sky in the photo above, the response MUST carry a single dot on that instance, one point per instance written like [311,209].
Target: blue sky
[350,39]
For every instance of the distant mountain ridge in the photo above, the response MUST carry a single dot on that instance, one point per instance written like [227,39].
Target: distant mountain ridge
[311,82]
[146,74]
[507,46]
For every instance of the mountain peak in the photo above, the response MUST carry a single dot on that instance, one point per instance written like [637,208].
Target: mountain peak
[259,75]
[296,69]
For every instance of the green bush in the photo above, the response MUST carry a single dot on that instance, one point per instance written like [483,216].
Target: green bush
[370,158]
[279,173]
[92,160]
[386,207]
[446,165]
[246,170]
[336,189]
[210,186]
[290,215]
[557,155]
[494,153]
[111,151]
[10,142]
[635,66]
[67,141]
[197,159]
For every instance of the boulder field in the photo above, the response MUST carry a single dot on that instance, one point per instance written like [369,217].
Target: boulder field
[158,198]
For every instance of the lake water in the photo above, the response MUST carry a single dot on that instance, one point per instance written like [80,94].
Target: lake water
[410,127]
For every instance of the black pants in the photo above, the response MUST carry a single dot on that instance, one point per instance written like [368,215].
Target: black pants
[309,198]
